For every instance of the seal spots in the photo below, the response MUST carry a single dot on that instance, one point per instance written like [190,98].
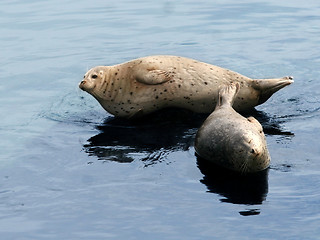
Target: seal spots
[170,79]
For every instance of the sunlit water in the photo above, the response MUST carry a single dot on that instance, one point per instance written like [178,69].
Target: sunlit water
[69,170]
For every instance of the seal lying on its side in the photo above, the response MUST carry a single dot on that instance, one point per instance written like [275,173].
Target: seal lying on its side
[230,140]
[144,85]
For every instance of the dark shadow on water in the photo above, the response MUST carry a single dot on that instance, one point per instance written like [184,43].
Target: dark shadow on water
[271,126]
[151,138]
[236,188]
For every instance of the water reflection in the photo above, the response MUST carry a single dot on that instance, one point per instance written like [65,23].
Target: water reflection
[148,139]
[152,138]
[235,188]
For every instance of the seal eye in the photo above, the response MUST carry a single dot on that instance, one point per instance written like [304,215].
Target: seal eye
[94,76]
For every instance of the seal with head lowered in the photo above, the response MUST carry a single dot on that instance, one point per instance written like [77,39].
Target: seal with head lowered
[144,85]
[228,139]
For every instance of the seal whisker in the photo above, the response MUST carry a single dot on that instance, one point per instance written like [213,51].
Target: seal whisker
[244,167]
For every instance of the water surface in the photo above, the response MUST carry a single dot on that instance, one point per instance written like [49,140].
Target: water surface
[69,170]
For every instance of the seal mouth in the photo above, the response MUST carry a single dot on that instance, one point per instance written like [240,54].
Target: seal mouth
[87,85]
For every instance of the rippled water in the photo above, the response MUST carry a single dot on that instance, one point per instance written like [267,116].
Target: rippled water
[69,170]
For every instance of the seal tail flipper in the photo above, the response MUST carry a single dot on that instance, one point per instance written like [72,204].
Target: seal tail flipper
[267,87]
[227,95]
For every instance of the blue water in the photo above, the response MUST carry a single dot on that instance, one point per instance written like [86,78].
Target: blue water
[69,170]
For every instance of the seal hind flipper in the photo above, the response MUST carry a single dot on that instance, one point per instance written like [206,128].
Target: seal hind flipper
[228,94]
[153,76]
[267,87]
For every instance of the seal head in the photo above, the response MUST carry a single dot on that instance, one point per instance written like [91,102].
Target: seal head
[91,78]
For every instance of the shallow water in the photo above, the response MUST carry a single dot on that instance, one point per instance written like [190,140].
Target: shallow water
[69,170]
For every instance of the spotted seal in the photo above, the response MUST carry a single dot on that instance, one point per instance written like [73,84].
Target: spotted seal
[147,84]
[231,140]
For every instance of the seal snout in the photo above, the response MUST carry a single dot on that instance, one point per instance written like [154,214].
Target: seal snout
[81,84]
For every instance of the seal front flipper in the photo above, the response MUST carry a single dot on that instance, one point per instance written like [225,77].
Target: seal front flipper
[255,122]
[153,76]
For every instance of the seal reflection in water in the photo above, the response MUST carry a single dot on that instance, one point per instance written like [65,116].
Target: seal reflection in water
[145,85]
[234,187]
[230,140]
[149,139]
